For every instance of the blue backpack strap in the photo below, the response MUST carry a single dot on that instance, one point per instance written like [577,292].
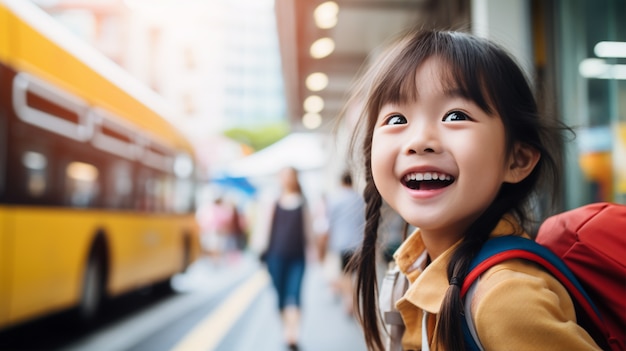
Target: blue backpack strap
[471,339]
[504,248]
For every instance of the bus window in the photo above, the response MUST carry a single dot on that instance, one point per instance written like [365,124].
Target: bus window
[113,136]
[119,186]
[166,193]
[158,157]
[155,192]
[81,184]
[36,165]
[183,193]
[46,106]
[143,197]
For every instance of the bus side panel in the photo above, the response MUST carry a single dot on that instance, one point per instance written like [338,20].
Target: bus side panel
[143,249]
[128,249]
[173,243]
[47,272]
[5,26]
[154,254]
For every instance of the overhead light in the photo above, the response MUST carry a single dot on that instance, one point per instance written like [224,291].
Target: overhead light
[599,69]
[311,120]
[610,49]
[322,47]
[317,81]
[313,104]
[325,15]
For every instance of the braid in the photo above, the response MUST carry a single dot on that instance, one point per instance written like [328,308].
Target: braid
[450,331]
[364,263]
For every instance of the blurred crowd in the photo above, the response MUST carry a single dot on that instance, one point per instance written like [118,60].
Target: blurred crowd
[286,231]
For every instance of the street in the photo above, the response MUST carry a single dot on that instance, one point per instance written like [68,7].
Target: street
[225,306]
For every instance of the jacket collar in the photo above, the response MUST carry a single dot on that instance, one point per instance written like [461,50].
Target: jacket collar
[429,283]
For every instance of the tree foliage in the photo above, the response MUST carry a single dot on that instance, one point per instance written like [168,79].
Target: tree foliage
[258,137]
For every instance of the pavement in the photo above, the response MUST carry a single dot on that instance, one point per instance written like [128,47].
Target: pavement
[248,317]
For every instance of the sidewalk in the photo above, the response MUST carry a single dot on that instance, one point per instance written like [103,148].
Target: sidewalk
[325,325]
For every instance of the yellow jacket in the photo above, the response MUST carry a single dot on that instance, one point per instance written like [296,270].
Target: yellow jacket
[516,305]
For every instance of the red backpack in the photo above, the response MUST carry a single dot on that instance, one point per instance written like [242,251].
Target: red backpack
[585,249]
[591,240]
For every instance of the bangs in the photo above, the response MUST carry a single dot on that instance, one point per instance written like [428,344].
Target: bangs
[462,70]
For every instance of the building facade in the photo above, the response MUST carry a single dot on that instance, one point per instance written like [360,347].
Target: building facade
[217,62]
[574,51]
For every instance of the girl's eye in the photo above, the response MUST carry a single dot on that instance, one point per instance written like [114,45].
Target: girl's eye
[395,119]
[456,116]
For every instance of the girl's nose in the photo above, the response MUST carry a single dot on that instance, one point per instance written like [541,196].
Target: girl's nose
[423,139]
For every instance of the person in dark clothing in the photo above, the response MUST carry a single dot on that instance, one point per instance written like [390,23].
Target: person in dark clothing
[285,254]
[288,235]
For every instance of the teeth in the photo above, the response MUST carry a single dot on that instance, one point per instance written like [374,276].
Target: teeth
[427,176]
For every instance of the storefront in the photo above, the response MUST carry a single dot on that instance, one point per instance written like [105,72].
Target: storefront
[590,72]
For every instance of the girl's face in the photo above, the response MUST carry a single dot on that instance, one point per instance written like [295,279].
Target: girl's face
[440,160]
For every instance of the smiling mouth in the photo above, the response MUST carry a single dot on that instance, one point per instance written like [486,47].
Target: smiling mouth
[427,180]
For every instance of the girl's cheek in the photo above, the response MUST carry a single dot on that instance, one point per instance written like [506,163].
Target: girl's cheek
[383,148]
[375,153]
[381,160]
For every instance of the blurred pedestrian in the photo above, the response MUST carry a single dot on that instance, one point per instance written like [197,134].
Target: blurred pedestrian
[222,229]
[346,222]
[282,235]
[392,230]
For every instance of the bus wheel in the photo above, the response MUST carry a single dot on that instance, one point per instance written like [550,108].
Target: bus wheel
[92,293]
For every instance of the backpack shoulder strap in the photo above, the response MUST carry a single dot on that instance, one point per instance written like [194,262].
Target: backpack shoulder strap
[393,287]
[504,248]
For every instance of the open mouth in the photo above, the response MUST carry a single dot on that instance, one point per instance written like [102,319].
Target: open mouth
[427,180]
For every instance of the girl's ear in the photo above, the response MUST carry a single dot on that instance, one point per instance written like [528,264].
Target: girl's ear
[521,163]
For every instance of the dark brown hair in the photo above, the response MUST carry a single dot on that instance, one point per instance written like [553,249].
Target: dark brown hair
[486,74]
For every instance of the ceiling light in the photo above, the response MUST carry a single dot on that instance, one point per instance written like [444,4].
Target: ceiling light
[312,120]
[610,49]
[313,104]
[325,15]
[317,81]
[322,48]
[599,69]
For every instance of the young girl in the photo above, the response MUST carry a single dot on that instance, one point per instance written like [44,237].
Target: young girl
[454,144]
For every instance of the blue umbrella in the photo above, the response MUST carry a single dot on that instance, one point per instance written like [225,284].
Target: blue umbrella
[239,183]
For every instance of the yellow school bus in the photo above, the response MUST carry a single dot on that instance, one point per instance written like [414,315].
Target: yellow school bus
[96,186]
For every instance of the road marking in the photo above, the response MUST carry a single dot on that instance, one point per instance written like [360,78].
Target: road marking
[208,334]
